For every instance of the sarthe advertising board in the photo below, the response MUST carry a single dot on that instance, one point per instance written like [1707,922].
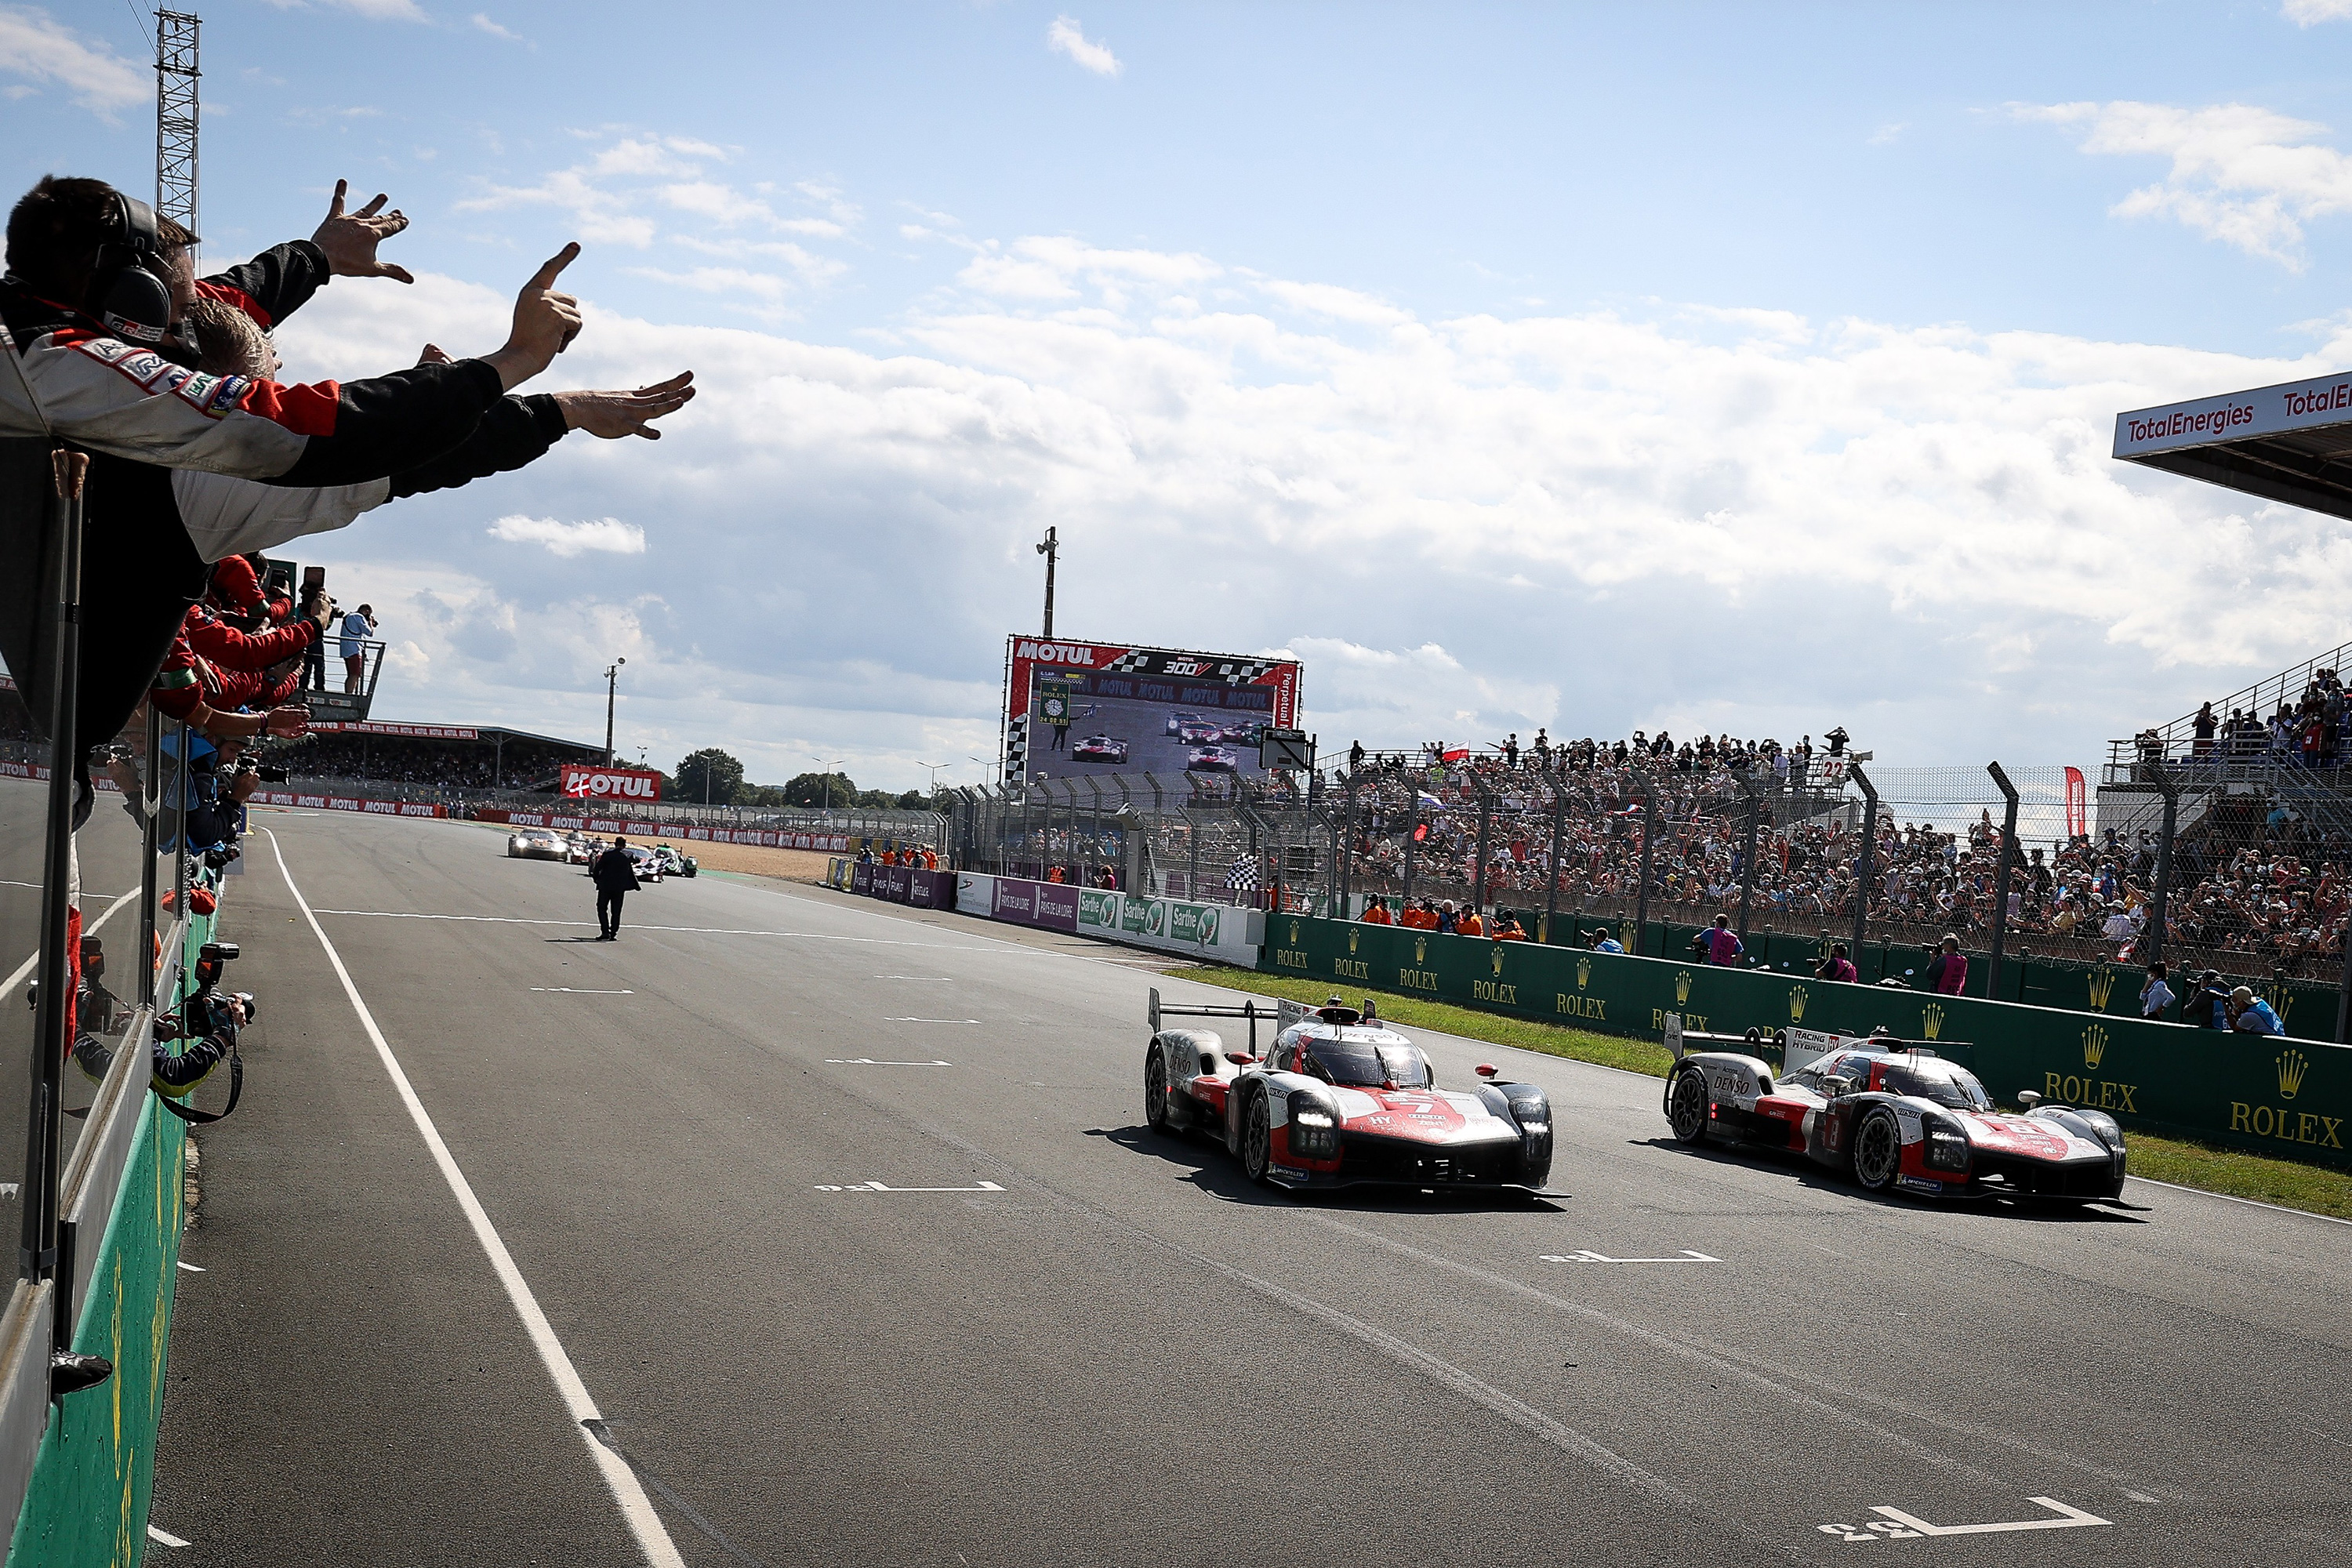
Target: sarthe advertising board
[1219,933]
[1075,708]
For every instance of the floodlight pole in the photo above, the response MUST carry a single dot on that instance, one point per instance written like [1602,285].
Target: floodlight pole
[612,685]
[1863,861]
[2001,879]
[1748,866]
[1649,833]
[1050,549]
[1559,821]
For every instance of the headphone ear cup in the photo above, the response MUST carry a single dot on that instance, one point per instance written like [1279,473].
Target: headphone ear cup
[137,307]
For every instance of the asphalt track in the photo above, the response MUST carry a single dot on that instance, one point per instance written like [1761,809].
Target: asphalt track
[1127,1353]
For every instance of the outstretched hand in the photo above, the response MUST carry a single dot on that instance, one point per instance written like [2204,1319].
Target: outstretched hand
[613,415]
[350,238]
[545,322]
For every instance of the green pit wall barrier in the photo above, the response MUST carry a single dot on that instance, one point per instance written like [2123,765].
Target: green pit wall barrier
[2271,1095]
[2306,1007]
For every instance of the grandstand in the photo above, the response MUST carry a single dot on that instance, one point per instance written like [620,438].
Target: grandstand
[427,761]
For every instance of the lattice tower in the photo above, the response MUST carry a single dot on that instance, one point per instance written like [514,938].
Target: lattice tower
[175,116]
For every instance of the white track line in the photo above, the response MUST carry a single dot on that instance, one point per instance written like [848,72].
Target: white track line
[686,930]
[636,1510]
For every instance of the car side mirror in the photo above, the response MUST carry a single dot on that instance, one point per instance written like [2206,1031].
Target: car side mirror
[1843,1085]
[1487,1069]
[2029,1100]
[1240,1059]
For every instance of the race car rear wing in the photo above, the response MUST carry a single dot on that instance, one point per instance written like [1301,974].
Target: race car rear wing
[1248,1009]
[1796,1047]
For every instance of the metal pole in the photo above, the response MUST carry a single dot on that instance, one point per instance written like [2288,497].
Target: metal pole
[2161,778]
[2000,879]
[1051,550]
[1095,789]
[1411,827]
[612,684]
[152,839]
[1748,865]
[1863,859]
[1559,821]
[1343,852]
[1649,833]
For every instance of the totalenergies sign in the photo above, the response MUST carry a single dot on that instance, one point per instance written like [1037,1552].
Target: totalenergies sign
[583,782]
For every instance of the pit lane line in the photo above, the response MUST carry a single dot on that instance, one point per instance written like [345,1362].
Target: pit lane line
[636,1509]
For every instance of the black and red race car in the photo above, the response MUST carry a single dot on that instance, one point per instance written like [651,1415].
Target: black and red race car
[1891,1114]
[1340,1099]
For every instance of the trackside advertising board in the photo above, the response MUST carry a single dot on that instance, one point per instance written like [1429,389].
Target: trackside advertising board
[2265,411]
[1074,708]
[584,781]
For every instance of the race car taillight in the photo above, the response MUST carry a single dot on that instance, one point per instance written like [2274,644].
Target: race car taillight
[1313,1127]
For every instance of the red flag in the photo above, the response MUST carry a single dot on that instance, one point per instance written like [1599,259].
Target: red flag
[1458,754]
[2077,804]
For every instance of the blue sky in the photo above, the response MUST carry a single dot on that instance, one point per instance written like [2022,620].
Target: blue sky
[1585,366]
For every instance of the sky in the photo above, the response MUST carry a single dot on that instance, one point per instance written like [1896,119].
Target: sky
[1735,368]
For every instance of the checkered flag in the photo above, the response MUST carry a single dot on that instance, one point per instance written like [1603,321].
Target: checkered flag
[1243,878]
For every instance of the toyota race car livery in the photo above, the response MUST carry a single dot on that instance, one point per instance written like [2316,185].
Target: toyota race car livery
[1211,760]
[1894,1115]
[1100,749]
[1336,1102]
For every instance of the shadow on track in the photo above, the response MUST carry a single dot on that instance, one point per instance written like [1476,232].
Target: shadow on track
[2012,1206]
[1208,1167]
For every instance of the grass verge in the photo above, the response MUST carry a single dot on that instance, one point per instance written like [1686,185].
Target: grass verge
[2315,1189]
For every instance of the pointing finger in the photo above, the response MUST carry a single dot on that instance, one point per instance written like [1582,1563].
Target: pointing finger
[397,274]
[372,207]
[335,207]
[553,269]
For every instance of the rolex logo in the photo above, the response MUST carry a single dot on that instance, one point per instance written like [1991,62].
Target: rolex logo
[1626,935]
[2094,1046]
[1294,934]
[2291,1066]
[2103,981]
[1682,986]
[1583,971]
[1498,959]
[1352,939]
[1796,1003]
[1419,948]
[1931,1021]
[2285,1004]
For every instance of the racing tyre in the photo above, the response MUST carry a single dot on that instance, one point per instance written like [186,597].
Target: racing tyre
[1257,1138]
[1686,1107]
[1877,1149]
[1155,1091]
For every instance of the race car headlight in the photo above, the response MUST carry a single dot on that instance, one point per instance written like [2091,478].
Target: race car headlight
[2104,1126]
[1313,1127]
[1947,1146]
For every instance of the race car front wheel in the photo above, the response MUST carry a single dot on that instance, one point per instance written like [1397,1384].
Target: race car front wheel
[1155,1091]
[1686,1107]
[1877,1149]
[1257,1139]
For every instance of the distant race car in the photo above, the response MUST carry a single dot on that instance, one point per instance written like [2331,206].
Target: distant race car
[676,862]
[1892,1114]
[580,851]
[1211,760]
[1100,749]
[1176,722]
[1338,1103]
[535,844]
[1242,735]
[1198,732]
[648,863]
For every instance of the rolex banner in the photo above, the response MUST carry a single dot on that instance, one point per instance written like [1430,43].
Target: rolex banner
[2279,1096]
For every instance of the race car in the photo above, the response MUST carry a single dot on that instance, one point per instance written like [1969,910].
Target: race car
[1211,760]
[1197,731]
[647,864]
[675,862]
[1242,735]
[534,844]
[1100,749]
[580,851]
[1339,1101]
[1176,722]
[1891,1114]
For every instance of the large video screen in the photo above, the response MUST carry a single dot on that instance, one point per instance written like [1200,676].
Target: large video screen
[1124,710]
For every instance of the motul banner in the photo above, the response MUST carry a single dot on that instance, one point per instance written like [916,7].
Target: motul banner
[582,781]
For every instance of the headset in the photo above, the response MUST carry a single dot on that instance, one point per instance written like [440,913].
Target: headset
[133,302]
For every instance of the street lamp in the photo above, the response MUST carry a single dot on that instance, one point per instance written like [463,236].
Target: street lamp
[827,778]
[935,768]
[612,679]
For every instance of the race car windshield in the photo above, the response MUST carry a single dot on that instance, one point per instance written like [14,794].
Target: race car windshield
[1359,1064]
[1945,1085]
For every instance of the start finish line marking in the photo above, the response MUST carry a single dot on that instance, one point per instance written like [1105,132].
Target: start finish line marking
[1896,1525]
[1685,1255]
[870,1062]
[878,1187]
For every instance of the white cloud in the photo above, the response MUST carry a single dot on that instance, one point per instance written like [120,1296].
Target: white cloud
[482,22]
[374,10]
[1063,37]
[605,534]
[2246,177]
[33,44]
[2310,12]
[1734,518]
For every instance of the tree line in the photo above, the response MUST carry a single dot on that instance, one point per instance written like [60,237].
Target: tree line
[714,777]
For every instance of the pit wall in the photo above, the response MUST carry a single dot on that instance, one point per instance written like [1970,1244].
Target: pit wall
[2307,1007]
[2271,1095]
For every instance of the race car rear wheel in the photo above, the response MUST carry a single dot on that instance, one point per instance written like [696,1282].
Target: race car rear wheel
[1257,1138]
[1155,1091]
[1686,1107]
[1877,1149]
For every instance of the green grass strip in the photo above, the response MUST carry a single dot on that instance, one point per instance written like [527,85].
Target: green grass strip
[2315,1189]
